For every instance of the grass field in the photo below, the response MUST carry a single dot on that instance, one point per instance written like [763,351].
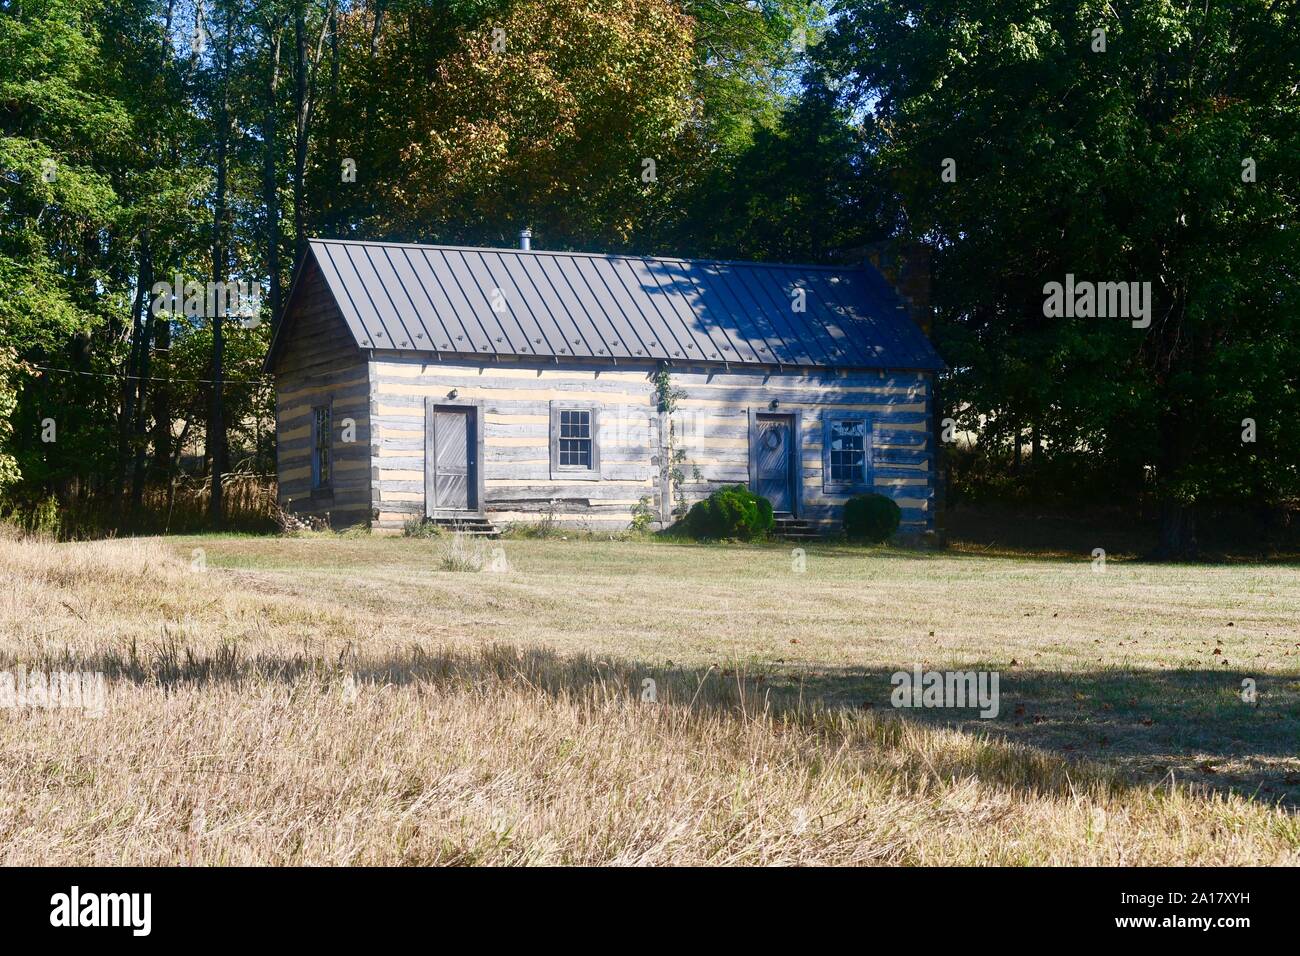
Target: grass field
[332,699]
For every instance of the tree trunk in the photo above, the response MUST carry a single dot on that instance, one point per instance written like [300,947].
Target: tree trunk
[216,421]
[378,26]
[1177,531]
[130,384]
[162,410]
[271,195]
[139,425]
[301,106]
[1177,518]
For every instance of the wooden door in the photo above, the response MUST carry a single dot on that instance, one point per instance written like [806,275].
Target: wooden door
[450,477]
[774,453]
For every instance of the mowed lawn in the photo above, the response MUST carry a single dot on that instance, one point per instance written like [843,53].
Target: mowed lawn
[337,699]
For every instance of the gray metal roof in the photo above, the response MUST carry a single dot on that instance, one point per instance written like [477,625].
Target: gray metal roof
[557,305]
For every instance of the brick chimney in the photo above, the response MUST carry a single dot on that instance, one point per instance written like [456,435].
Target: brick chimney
[907,267]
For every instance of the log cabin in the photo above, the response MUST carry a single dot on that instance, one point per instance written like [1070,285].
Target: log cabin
[481,387]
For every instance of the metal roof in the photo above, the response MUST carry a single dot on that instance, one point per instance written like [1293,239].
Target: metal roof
[558,305]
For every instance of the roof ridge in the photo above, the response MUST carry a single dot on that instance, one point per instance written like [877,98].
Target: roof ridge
[861,267]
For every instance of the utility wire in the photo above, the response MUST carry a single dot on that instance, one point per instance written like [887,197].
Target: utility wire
[151,378]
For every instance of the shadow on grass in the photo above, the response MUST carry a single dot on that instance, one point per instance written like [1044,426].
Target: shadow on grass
[1123,728]
[1027,530]
[1199,724]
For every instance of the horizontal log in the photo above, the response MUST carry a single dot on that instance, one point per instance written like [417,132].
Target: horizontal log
[620,519]
[302,444]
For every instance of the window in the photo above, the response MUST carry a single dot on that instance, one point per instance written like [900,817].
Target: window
[575,445]
[848,457]
[575,438]
[846,454]
[321,433]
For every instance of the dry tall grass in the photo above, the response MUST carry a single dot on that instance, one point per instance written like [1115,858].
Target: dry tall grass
[264,725]
[249,504]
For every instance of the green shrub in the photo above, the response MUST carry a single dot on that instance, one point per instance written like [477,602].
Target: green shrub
[643,516]
[733,512]
[420,528]
[871,518]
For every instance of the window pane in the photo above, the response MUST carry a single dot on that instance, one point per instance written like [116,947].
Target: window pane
[321,445]
[848,460]
[575,452]
[575,423]
[575,438]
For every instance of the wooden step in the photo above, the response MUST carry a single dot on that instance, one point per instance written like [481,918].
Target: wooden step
[468,525]
[795,529]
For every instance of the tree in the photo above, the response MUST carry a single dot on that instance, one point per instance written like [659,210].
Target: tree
[539,113]
[59,127]
[1112,145]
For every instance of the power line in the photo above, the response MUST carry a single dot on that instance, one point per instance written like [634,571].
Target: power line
[141,378]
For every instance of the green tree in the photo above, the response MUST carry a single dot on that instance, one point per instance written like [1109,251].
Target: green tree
[1122,164]
[59,128]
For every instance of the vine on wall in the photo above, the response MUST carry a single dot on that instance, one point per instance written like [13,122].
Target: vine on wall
[666,397]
